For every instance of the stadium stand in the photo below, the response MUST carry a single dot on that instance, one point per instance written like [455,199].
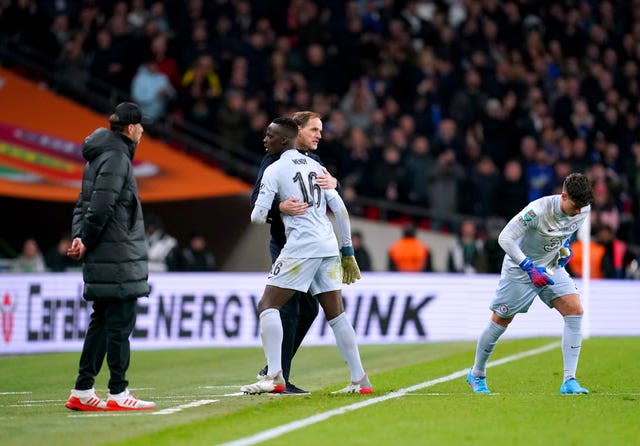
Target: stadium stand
[477,86]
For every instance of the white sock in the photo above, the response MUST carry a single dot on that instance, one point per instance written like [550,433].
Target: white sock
[83,393]
[346,341]
[571,344]
[120,396]
[271,334]
[486,344]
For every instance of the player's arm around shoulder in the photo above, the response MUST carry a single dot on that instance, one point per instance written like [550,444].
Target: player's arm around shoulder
[325,180]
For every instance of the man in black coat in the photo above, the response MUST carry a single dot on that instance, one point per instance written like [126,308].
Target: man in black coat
[108,235]
[299,312]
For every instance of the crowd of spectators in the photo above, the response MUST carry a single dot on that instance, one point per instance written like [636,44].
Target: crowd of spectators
[468,107]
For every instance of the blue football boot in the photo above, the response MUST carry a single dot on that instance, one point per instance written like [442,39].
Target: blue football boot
[478,383]
[572,387]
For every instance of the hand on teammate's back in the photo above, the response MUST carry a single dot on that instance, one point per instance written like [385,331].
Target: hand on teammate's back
[293,206]
[326,181]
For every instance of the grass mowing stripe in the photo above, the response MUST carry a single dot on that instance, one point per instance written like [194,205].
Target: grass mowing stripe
[270,434]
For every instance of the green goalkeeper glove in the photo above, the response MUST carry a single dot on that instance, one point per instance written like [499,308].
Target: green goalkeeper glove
[350,270]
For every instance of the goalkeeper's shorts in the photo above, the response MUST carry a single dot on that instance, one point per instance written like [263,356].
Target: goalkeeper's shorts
[314,275]
[513,297]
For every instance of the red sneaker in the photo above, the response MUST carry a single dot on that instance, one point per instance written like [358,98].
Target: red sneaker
[85,400]
[126,401]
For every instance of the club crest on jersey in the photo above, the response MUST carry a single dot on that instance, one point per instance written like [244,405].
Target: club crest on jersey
[529,215]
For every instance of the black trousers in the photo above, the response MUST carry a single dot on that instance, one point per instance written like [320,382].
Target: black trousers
[110,326]
[297,315]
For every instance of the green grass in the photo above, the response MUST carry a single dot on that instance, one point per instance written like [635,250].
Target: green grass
[525,408]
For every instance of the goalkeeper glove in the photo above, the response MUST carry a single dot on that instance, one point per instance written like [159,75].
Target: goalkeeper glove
[565,254]
[538,274]
[350,270]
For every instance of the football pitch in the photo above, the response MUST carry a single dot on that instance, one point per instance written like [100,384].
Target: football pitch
[420,398]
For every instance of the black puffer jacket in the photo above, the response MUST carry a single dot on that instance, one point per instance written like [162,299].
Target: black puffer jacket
[108,219]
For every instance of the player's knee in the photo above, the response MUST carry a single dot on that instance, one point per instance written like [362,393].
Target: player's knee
[266,305]
[574,310]
[504,322]
[569,305]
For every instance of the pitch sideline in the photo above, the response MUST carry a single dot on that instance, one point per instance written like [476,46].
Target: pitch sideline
[275,432]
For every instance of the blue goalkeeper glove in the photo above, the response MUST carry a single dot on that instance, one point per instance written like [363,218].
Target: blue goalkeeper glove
[538,274]
[565,254]
[350,269]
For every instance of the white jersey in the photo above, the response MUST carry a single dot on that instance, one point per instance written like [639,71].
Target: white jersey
[311,234]
[537,232]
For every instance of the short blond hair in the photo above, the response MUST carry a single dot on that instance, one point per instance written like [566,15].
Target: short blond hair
[302,117]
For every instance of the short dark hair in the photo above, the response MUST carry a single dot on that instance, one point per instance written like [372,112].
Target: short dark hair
[579,189]
[289,125]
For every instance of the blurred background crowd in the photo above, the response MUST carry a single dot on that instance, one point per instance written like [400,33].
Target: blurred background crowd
[436,112]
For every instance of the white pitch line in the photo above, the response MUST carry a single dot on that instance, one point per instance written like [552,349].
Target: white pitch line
[276,432]
[129,413]
[29,405]
[166,411]
[15,393]
[165,398]
[172,410]
[591,394]
[43,401]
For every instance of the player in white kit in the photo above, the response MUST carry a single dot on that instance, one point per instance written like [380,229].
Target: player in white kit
[311,259]
[536,242]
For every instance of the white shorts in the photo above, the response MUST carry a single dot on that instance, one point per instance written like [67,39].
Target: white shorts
[314,275]
[512,297]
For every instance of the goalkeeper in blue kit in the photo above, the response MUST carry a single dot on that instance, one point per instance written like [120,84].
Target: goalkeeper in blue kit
[536,242]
